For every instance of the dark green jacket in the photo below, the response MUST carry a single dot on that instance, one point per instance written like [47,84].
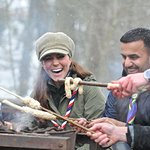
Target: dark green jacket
[89,105]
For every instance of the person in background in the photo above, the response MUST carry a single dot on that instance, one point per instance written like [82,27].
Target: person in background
[54,52]
[135,52]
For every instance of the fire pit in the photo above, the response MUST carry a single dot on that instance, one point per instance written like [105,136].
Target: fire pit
[56,141]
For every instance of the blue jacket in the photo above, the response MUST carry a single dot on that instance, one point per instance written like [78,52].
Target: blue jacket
[110,110]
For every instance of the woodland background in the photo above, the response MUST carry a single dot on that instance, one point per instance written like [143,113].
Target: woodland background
[95,25]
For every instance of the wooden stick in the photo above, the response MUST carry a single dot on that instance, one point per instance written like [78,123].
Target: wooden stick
[68,120]
[94,83]
[12,105]
[35,112]
[21,98]
[88,83]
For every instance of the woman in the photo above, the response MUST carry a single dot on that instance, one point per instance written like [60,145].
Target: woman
[54,51]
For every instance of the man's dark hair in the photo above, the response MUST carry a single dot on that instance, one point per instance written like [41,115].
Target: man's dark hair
[136,35]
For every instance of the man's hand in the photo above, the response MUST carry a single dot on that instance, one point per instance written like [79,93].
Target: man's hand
[133,83]
[107,134]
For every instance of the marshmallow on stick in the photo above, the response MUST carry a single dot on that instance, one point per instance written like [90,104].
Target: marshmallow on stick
[37,113]
[26,100]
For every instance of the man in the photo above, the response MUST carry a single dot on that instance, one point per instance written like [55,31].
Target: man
[135,51]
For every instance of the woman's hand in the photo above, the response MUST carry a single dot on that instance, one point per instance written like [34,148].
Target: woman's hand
[80,121]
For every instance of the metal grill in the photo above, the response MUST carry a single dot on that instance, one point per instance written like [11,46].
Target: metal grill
[58,141]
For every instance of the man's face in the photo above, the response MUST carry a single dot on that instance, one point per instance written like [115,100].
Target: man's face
[135,57]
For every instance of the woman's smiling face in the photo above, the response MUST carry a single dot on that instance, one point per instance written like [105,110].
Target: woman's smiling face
[56,65]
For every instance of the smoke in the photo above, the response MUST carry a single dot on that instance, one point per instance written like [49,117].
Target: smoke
[22,121]
[19,120]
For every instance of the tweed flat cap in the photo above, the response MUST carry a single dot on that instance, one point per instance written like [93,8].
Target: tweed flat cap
[51,42]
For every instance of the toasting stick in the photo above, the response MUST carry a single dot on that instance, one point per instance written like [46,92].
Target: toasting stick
[35,112]
[94,83]
[3,89]
[68,120]
[27,100]
[35,104]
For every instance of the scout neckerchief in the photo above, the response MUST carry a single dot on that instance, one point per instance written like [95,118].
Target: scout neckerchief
[132,109]
[69,108]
